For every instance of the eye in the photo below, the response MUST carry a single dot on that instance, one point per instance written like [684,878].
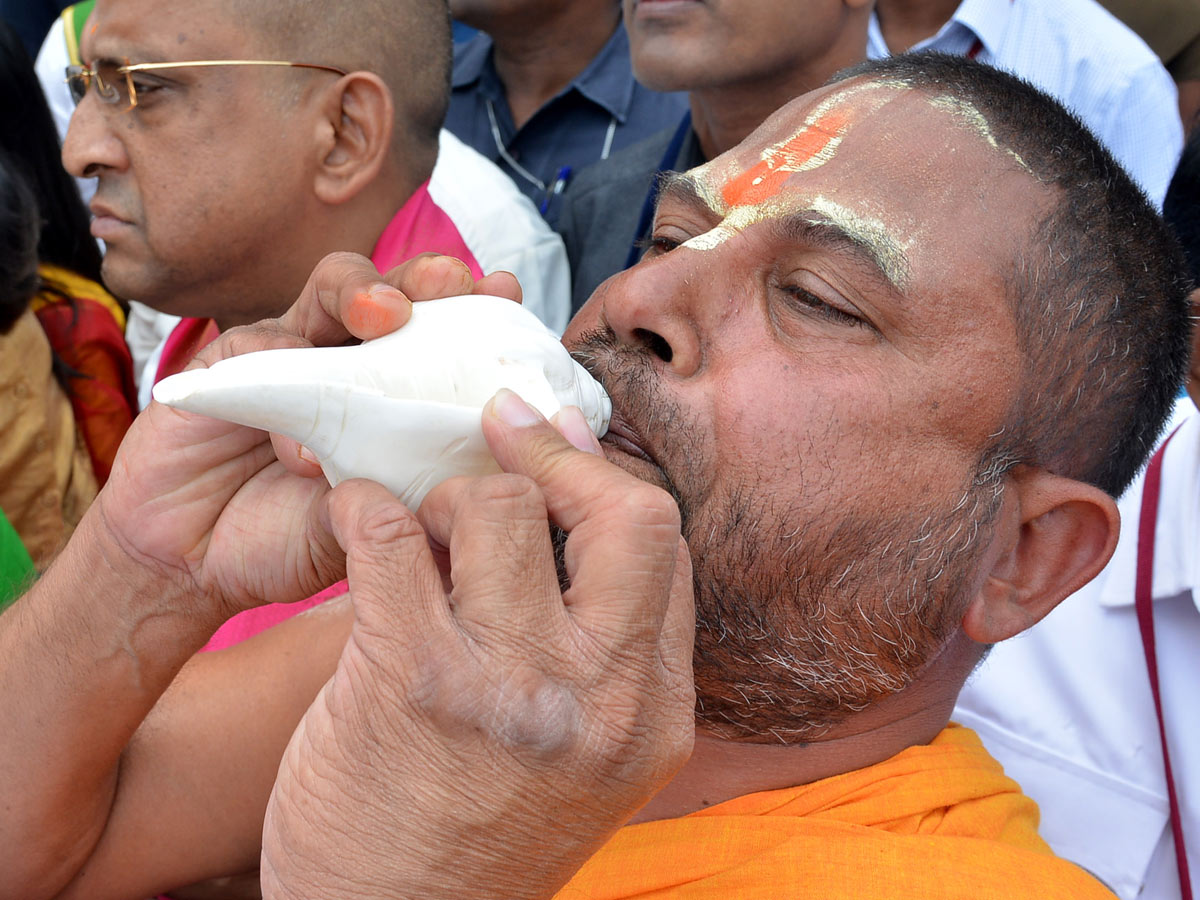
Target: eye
[823,308]
[657,245]
[145,85]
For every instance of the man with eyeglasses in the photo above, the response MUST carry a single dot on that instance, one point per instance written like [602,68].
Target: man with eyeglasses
[235,144]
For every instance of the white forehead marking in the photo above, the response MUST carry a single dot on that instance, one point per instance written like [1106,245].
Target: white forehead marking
[738,218]
[968,114]
[873,233]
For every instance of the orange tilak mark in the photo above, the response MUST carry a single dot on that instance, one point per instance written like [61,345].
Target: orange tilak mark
[764,179]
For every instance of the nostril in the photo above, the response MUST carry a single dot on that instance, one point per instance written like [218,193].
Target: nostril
[655,343]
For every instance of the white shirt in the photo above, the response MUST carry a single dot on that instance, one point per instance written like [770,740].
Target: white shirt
[1067,710]
[1079,53]
[502,228]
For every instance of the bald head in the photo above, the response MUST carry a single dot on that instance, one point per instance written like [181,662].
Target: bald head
[407,43]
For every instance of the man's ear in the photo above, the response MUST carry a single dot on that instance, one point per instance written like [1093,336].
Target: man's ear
[356,136]
[1057,534]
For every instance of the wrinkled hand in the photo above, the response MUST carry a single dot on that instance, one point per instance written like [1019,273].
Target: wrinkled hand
[485,740]
[208,504]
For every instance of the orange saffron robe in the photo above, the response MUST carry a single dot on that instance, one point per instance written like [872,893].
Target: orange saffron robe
[931,823]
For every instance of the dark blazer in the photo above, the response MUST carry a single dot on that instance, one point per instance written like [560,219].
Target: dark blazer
[601,212]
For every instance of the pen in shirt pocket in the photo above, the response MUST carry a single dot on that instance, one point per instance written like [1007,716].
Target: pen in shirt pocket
[559,185]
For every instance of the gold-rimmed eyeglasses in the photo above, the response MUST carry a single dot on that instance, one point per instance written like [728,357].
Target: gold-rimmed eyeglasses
[115,83]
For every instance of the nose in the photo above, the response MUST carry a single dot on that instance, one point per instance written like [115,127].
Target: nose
[655,306]
[91,146]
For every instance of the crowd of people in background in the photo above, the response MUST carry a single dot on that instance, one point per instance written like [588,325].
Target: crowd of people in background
[173,171]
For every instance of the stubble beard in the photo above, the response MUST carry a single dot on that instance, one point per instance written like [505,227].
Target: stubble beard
[803,617]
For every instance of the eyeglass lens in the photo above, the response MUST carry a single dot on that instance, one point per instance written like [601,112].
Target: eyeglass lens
[112,85]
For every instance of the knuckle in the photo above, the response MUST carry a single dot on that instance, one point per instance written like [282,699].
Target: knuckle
[645,504]
[379,521]
[449,264]
[338,261]
[386,524]
[512,490]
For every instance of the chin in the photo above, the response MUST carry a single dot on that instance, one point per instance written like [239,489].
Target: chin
[662,77]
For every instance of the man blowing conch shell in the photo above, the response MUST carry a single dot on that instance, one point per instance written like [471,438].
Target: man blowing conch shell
[872,393]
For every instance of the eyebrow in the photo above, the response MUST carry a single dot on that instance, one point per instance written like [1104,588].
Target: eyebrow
[829,224]
[683,188]
[825,223]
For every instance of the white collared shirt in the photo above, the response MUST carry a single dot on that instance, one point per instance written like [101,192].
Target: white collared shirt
[1067,709]
[1077,51]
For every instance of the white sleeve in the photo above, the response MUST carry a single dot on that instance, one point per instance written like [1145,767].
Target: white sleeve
[502,228]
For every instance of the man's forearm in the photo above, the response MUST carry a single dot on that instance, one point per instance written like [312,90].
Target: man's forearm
[85,656]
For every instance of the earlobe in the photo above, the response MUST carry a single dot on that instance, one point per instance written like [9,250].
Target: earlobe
[1058,534]
[356,135]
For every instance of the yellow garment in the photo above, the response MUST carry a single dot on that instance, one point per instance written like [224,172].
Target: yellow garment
[931,823]
[76,285]
[46,479]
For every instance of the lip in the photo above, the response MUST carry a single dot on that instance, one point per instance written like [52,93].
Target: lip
[656,8]
[105,223]
[623,437]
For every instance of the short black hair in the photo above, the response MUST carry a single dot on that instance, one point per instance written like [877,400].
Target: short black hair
[19,280]
[1100,297]
[407,43]
[1181,208]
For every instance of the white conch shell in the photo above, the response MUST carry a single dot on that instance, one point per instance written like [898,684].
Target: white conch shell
[404,409]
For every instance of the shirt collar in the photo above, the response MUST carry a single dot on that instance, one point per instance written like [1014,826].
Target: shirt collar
[985,20]
[607,80]
[470,58]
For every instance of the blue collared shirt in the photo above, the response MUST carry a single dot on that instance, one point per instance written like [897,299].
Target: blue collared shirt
[602,110]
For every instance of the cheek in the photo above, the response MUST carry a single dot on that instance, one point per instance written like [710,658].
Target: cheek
[837,445]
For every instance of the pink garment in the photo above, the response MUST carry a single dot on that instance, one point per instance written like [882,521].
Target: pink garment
[247,624]
[420,226]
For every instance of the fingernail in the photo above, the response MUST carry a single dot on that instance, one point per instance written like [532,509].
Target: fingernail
[574,427]
[308,456]
[512,410]
[380,289]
